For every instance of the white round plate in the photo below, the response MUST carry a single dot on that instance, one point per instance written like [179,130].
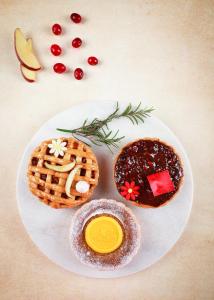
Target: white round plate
[49,228]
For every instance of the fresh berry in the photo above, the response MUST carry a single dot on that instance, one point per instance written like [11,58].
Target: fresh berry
[76,18]
[78,73]
[57,29]
[56,50]
[92,60]
[59,68]
[77,42]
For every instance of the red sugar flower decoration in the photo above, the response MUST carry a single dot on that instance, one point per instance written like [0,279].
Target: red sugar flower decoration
[129,190]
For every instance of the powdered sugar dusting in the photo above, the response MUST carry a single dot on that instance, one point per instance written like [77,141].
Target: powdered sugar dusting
[132,235]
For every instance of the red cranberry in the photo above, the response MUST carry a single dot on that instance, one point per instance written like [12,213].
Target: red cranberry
[59,68]
[92,60]
[76,18]
[57,29]
[77,42]
[78,73]
[56,49]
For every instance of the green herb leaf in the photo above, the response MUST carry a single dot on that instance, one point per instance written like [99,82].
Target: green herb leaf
[97,131]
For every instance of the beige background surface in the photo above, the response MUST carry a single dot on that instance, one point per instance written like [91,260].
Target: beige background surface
[158,50]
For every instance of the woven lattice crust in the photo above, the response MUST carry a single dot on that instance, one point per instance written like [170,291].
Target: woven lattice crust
[49,185]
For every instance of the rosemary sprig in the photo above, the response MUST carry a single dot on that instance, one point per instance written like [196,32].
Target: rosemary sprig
[97,131]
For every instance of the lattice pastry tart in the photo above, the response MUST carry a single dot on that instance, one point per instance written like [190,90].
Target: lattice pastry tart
[63,172]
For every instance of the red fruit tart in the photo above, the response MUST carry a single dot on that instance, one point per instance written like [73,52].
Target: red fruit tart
[105,234]
[148,172]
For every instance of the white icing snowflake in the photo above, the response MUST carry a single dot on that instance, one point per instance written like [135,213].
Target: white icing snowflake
[57,147]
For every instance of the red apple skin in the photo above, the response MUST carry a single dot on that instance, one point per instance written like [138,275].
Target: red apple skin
[27,79]
[30,68]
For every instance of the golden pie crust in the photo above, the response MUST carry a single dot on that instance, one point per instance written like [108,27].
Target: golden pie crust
[49,185]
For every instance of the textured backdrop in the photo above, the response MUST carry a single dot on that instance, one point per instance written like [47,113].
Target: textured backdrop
[158,50]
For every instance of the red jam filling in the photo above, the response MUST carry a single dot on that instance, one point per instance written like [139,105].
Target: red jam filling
[161,183]
[141,159]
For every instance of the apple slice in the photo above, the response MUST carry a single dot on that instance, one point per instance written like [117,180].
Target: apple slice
[30,44]
[70,179]
[28,75]
[24,52]
[64,168]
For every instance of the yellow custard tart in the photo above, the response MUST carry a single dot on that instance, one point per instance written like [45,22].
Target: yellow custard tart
[105,234]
